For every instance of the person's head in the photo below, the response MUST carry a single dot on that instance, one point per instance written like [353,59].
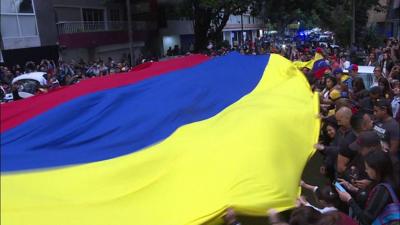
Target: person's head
[361,122]
[342,102]
[382,109]
[358,84]
[30,66]
[327,196]
[375,93]
[331,130]
[335,218]
[337,73]
[304,215]
[353,70]
[386,55]
[395,72]
[378,72]
[372,56]
[366,142]
[384,84]
[330,82]
[343,116]
[378,166]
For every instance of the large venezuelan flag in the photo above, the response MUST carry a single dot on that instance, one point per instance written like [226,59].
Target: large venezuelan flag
[176,142]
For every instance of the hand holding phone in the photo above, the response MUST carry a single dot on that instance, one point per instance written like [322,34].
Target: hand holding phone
[339,187]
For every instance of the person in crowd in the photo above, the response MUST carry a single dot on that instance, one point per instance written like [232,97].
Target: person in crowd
[386,127]
[359,91]
[176,51]
[388,130]
[357,179]
[302,215]
[377,75]
[395,73]
[367,104]
[329,149]
[353,70]
[336,218]
[371,60]
[169,51]
[326,196]
[230,217]
[396,101]
[345,83]
[330,84]
[378,166]
[343,117]
[354,170]
[387,92]
[386,63]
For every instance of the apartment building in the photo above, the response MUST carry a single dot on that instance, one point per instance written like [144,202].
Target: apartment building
[76,29]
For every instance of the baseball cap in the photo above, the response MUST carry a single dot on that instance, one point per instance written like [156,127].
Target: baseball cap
[337,71]
[353,67]
[365,139]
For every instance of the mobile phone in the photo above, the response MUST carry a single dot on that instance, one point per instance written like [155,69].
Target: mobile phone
[339,187]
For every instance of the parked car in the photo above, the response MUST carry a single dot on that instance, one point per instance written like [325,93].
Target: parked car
[29,84]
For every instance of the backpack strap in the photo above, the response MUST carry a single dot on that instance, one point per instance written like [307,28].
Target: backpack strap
[392,194]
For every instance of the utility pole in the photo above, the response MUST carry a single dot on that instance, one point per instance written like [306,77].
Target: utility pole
[353,25]
[130,33]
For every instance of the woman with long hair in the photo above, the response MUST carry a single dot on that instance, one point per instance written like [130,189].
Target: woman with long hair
[386,89]
[330,83]
[359,91]
[378,166]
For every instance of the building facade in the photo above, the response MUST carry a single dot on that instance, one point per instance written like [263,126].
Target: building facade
[94,30]
[76,29]
[387,21]
[243,28]
[26,32]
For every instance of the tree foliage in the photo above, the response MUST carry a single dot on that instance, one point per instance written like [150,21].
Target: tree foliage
[335,15]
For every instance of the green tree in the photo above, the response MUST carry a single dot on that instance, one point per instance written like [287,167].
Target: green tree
[335,15]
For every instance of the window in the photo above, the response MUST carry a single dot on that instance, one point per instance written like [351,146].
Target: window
[25,6]
[93,15]
[18,19]
[16,6]
[114,15]
[8,6]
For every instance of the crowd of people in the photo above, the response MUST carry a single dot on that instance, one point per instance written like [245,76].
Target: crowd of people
[360,132]
[57,74]
[359,141]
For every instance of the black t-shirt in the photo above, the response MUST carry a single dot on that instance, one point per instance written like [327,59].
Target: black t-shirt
[388,130]
[355,169]
[344,150]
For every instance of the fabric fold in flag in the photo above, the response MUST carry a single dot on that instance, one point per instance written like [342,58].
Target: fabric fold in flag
[173,149]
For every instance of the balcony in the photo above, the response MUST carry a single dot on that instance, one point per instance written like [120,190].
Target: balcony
[84,34]
[235,27]
[72,27]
